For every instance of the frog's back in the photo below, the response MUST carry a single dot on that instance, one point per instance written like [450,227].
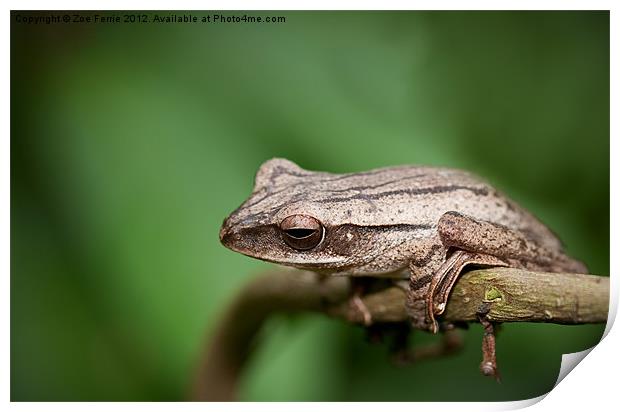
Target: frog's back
[402,195]
[420,195]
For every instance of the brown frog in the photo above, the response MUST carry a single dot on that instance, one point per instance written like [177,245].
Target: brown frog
[416,223]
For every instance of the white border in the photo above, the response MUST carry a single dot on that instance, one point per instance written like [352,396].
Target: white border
[591,385]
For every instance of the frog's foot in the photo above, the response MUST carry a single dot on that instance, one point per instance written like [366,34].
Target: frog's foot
[488,366]
[358,305]
[443,280]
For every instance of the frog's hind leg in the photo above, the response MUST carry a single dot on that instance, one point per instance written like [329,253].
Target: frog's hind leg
[467,233]
[484,243]
[488,366]
[442,282]
[487,244]
[439,290]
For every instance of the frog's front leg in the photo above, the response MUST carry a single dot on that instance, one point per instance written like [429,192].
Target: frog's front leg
[359,287]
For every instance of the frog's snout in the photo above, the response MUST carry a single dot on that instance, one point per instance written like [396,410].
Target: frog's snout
[227,233]
[233,235]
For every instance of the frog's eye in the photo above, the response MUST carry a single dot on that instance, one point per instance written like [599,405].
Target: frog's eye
[302,232]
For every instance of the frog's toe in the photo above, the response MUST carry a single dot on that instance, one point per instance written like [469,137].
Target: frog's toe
[361,310]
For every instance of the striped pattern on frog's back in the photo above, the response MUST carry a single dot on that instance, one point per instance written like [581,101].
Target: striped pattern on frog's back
[407,196]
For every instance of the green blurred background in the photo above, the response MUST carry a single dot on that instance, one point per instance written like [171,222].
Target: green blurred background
[131,143]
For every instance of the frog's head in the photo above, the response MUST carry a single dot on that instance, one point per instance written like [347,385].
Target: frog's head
[288,219]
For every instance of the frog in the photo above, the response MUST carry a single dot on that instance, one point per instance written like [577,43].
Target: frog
[417,226]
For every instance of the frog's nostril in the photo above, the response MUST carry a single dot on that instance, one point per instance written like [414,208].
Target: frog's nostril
[226,233]
[227,238]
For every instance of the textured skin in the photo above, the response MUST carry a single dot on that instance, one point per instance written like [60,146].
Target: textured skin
[400,222]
